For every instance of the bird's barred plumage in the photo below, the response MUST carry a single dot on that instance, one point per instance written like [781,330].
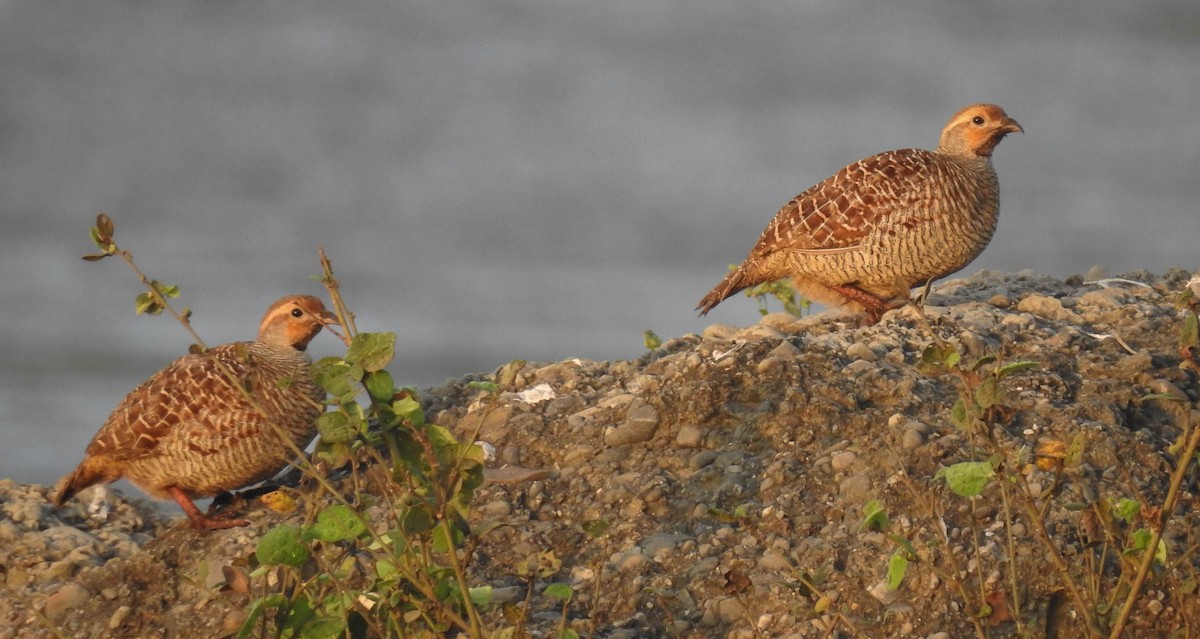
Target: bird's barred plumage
[870,232]
[211,421]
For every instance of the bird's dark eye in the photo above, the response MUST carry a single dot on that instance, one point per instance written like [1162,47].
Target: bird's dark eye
[977,119]
[297,312]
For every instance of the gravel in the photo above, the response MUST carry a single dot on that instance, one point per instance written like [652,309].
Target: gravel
[733,467]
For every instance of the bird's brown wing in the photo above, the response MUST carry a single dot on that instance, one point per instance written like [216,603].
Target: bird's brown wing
[187,394]
[841,211]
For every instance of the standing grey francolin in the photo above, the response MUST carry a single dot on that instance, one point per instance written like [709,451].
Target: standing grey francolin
[865,236]
[190,432]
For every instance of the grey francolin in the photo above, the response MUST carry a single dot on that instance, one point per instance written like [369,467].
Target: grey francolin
[865,236]
[190,431]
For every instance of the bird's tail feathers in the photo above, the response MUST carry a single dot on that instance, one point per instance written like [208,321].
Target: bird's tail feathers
[737,280]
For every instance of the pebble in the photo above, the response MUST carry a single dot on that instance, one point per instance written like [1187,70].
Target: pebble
[118,617]
[702,459]
[843,460]
[881,592]
[640,424]
[912,438]
[786,351]
[69,596]
[1048,307]
[854,487]
[689,436]
[719,332]
[861,351]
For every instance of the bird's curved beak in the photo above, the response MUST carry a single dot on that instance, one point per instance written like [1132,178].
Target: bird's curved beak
[1009,125]
[329,318]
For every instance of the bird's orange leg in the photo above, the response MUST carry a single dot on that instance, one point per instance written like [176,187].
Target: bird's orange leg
[199,521]
[874,306]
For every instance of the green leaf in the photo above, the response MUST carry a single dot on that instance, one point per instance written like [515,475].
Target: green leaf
[1126,509]
[386,570]
[595,528]
[489,387]
[958,414]
[323,628]
[148,304]
[967,479]
[481,595]
[380,386]
[875,516]
[1189,332]
[1013,367]
[336,427]
[410,409]
[1139,540]
[904,543]
[336,523]
[336,377]
[416,520]
[897,567]
[988,393]
[276,600]
[986,359]
[936,358]
[651,339]
[372,351]
[560,591]
[281,546]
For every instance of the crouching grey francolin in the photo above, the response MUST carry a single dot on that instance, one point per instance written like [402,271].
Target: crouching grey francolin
[189,432]
[865,236]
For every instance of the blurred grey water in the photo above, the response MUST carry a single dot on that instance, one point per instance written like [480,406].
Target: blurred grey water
[525,178]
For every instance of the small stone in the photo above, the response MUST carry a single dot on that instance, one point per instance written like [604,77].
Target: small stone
[1154,607]
[719,332]
[1000,300]
[1048,307]
[118,617]
[772,560]
[912,438]
[702,459]
[640,424]
[785,351]
[843,460]
[861,351]
[689,436]
[854,487]
[758,332]
[939,635]
[498,508]
[730,610]
[881,592]
[70,596]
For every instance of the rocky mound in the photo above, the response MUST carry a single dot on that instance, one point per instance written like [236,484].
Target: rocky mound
[734,468]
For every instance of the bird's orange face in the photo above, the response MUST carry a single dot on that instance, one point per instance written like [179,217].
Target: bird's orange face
[977,130]
[296,319]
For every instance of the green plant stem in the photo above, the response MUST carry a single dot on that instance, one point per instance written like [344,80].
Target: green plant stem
[476,628]
[1189,455]
[1039,526]
[158,297]
[1012,558]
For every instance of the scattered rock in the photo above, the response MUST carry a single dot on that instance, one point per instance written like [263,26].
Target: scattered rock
[727,465]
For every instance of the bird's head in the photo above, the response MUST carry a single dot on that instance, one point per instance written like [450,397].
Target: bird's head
[976,130]
[293,321]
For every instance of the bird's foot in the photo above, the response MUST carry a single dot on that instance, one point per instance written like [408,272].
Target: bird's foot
[873,304]
[199,520]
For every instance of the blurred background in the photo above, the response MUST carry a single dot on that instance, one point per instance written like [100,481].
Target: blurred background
[536,179]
